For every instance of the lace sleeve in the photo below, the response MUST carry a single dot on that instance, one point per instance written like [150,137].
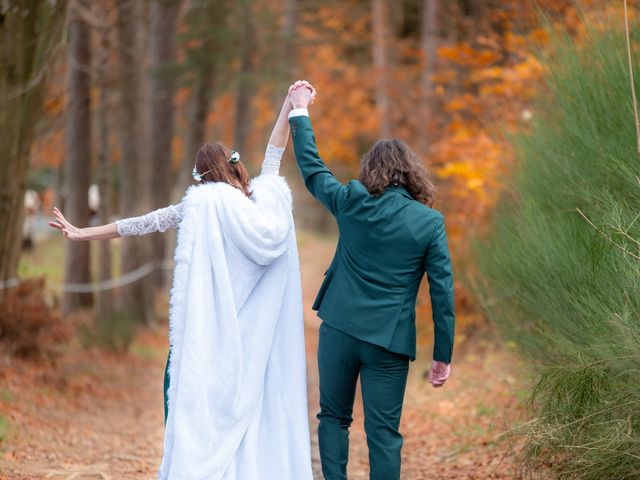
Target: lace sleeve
[272,157]
[157,221]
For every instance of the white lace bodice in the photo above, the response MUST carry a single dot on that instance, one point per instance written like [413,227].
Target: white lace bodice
[170,217]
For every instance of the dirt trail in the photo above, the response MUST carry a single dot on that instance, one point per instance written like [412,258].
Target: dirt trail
[96,416]
[99,415]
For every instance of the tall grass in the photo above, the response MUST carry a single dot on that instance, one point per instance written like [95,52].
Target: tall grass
[553,283]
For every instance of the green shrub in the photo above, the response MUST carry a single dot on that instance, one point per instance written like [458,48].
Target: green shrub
[566,295]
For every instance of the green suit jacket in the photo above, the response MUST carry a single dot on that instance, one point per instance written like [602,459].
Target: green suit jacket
[387,243]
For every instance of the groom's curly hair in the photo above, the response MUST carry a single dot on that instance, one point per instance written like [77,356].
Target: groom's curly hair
[392,162]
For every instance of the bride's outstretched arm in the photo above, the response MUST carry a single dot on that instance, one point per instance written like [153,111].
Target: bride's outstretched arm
[277,141]
[157,221]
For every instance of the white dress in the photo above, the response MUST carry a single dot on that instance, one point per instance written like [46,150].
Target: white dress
[237,405]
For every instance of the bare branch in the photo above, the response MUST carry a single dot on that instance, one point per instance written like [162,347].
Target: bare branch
[607,237]
[633,89]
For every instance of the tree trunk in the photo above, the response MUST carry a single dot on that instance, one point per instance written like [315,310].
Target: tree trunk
[201,95]
[500,25]
[134,176]
[78,156]
[162,50]
[105,297]
[288,34]
[285,61]
[477,14]
[429,45]
[146,181]
[244,87]
[29,34]
[380,17]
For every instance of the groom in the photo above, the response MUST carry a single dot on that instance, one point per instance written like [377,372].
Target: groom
[389,237]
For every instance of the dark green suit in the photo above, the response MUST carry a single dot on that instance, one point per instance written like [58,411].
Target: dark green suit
[387,243]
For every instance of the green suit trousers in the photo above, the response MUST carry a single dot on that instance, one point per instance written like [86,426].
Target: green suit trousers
[383,378]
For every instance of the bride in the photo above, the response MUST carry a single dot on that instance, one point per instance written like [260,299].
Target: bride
[235,392]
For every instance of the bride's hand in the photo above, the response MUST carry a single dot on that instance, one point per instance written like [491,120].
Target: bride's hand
[67,229]
[287,100]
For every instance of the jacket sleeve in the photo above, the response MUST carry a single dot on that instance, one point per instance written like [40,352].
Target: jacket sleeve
[317,177]
[440,277]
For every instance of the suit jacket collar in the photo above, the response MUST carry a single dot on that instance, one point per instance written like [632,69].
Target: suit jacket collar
[399,189]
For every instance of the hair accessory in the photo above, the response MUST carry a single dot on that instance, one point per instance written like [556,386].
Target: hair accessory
[235,157]
[196,176]
[199,177]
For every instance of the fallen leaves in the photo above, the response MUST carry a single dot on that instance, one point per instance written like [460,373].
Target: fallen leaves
[100,415]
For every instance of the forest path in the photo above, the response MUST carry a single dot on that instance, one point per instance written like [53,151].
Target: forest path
[99,415]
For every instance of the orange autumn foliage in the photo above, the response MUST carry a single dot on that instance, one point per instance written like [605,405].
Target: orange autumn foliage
[484,78]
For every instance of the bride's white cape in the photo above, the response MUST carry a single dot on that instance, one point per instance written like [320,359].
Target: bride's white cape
[237,394]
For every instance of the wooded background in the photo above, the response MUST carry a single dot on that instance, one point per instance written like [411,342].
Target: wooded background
[513,105]
[121,94]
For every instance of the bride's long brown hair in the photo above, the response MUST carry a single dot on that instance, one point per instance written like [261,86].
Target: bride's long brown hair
[392,162]
[213,160]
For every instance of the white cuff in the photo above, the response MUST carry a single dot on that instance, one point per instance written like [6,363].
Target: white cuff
[298,112]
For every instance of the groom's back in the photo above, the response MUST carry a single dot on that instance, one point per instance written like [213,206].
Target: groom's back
[371,286]
[386,244]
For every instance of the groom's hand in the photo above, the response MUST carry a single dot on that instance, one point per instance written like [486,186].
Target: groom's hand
[301,94]
[439,373]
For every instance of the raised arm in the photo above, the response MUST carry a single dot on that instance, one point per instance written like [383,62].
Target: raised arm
[277,141]
[280,134]
[317,177]
[157,221]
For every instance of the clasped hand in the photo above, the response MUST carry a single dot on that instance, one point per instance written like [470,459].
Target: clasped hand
[301,94]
